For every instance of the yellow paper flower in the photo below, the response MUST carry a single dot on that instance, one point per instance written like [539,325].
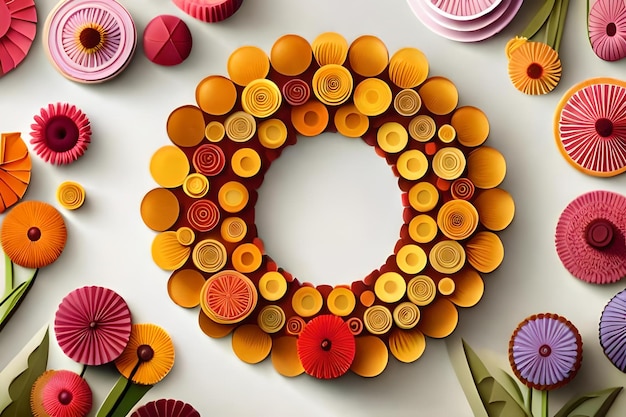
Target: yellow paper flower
[513,44]
[149,355]
[534,68]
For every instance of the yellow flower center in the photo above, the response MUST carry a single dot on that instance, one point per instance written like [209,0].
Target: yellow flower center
[91,37]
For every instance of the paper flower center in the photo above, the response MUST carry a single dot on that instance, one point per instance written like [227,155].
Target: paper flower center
[65,397]
[611,29]
[91,38]
[604,127]
[326,345]
[61,133]
[145,353]
[545,350]
[599,233]
[34,233]
[534,71]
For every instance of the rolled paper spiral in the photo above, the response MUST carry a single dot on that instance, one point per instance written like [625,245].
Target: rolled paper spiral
[421,290]
[449,163]
[71,195]
[422,128]
[203,215]
[457,219]
[196,185]
[332,84]
[185,235]
[446,133]
[447,256]
[407,102]
[296,92]
[228,297]
[209,159]
[261,98]
[406,315]
[214,131]
[377,319]
[233,229]
[355,325]
[240,126]
[271,318]
[209,255]
[294,325]
[462,189]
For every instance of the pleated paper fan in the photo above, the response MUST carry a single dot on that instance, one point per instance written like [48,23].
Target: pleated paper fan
[590,237]
[590,126]
[326,347]
[15,169]
[18,26]
[166,408]
[613,330]
[92,325]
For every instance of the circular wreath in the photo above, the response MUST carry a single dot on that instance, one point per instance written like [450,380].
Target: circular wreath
[221,148]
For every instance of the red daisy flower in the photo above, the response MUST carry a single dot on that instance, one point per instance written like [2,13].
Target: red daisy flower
[66,394]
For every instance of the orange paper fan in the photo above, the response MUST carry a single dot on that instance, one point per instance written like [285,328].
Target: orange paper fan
[15,167]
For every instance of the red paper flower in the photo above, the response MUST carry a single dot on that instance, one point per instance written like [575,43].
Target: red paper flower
[166,408]
[92,325]
[67,395]
[61,133]
[326,347]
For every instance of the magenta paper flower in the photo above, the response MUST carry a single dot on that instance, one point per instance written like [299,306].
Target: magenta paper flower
[545,351]
[166,408]
[66,394]
[92,325]
[61,133]
[607,29]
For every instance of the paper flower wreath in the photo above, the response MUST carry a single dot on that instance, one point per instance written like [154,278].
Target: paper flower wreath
[223,145]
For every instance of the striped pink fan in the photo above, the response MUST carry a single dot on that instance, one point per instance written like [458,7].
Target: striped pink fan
[166,408]
[590,126]
[92,325]
[18,25]
[463,9]
[590,237]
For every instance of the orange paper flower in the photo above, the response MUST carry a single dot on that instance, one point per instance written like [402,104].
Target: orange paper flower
[534,68]
[33,234]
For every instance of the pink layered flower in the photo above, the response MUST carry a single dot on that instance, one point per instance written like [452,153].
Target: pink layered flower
[607,29]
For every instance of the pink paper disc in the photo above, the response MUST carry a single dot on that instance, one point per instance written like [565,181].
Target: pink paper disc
[90,40]
[18,25]
[167,40]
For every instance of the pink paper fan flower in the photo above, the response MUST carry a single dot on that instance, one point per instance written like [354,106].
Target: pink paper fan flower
[166,408]
[61,133]
[67,395]
[326,347]
[545,351]
[607,29]
[92,325]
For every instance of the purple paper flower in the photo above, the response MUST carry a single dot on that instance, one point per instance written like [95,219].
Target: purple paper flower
[545,351]
[613,330]
[607,29]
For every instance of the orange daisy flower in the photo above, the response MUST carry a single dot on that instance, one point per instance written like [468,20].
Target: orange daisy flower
[149,355]
[33,234]
[534,68]
[36,394]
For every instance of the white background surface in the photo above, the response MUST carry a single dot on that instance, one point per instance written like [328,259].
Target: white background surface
[109,245]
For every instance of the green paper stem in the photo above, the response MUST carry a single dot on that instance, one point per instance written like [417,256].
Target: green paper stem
[593,404]
[529,400]
[15,299]
[561,27]
[538,20]
[8,275]
[544,403]
[552,25]
[12,293]
[122,398]
[82,372]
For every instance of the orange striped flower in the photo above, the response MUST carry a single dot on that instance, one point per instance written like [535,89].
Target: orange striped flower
[534,68]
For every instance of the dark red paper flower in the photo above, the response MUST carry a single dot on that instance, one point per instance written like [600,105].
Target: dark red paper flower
[166,408]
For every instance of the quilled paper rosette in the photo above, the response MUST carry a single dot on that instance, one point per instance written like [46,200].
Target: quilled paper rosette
[448,179]
[606,28]
[71,195]
[209,11]
[590,237]
[590,126]
[15,169]
[166,408]
[92,325]
[613,330]
[89,41]
[545,351]
[18,26]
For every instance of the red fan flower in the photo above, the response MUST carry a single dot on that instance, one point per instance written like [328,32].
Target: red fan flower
[67,395]
[326,347]
[166,408]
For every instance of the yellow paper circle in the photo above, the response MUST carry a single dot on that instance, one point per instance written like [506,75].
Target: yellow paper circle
[307,301]
[377,319]
[272,286]
[291,55]
[196,185]
[330,48]
[233,229]
[169,166]
[449,163]
[392,137]
[159,209]
[184,287]
[261,98]
[247,258]
[209,255]
[332,84]
[185,126]
[368,56]
[251,344]
[272,133]
[422,128]
[167,252]
[245,162]
[407,345]
[447,256]
[240,126]
[371,357]
[246,64]
[412,164]
[422,228]
[411,259]
[271,318]
[216,95]
[214,131]
[423,196]
[71,195]
[341,301]
[421,290]
[372,96]
[233,196]
[406,315]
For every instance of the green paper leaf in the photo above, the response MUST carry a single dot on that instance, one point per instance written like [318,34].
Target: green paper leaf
[14,300]
[123,397]
[19,389]
[498,402]
[559,33]
[552,25]
[8,276]
[511,385]
[538,20]
[593,404]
